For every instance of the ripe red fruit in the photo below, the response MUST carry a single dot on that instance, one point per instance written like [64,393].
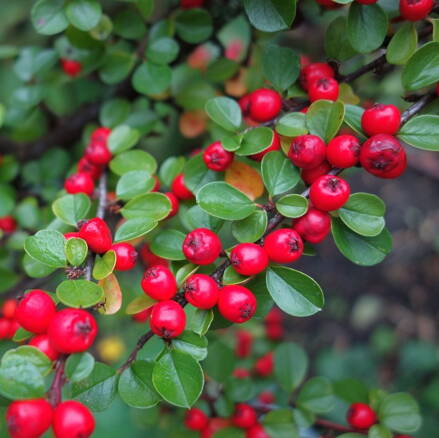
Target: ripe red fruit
[217,158]
[361,416]
[43,344]
[266,397]
[195,419]
[79,183]
[8,224]
[414,10]
[179,189]
[257,431]
[6,328]
[214,425]
[189,4]
[264,365]
[274,146]
[236,303]
[126,256]
[310,175]
[383,156]
[150,259]
[202,246]
[35,311]
[323,88]
[244,343]
[244,104]
[168,319]
[241,373]
[28,418]
[265,105]
[274,332]
[307,151]
[244,416]
[72,331]
[274,316]
[72,419]
[201,291]
[86,166]
[248,259]
[159,283]
[329,192]
[175,205]
[98,153]
[314,226]
[9,307]
[343,151]
[100,134]
[97,235]
[143,315]
[316,70]
[71,67]
[283,245]
[381,119]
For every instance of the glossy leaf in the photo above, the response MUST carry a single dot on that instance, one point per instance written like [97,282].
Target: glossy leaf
[421,132]
[72,208]
[133,228]
[324,118]
[290,365]
[224,111]
[292,205]
[76,251]
[79,366]
[270,15]
[104,265]
[47,247]
[79,293]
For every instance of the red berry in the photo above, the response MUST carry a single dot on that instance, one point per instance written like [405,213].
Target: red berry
[274,146]
[150,259]
[35,311]
[343,151]
[217,158]
[28,418]
[79,183]
[244,343]
[71,67]
[264,365]
[257,431]
[100,134]
[143,315]
[71,235]
[329,192]
[414,10]
[201,291]
[314,226]
[241,373]
[43,344]
[195,419]
[202,246]
[266,397]
[361,416]
[126,256]
[307,151]
[6,328]
[72,419]
[98,153]
[274,332]
[72,331]
[244,416]
[244,104]
[274,316]
[323,88]
[383,156]
[175,204]
[156,187]
[179,189]
[248,259]
[8,224]
[265,105]
[168,319]
[214,425]
[236,303]
[159,283]
[310,175]
[189,4]
[283,245]
[86,166]
[316,70]
[97,235]
[367,2]
[381,119]
[9,307]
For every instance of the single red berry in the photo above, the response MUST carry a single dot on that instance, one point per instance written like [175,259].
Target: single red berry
[217,158]
[201,291]
[97,235]
[314,226]
[265,105]
[9,307]
[71,67]
[383,156]
[241,373]
[179,188]
[71,235]
[414,10]
[150,259]
[214,426]
[202,246]
[28,418]
[168,319]
[98,153]
[72,331]
[264,365]
[274,146]
[244,343]
[175,204]
[86,166]
[8,224]
[143,315]
[79,183]
[244,416]
[43,344]
[100,134]
[35,311]
[195,419]
[343,151]
[274,316]
[307,151]
[72,419]
[274,332]
[323,88]
[126,256]
[310,175]
[316,70]
[257,431]
[244,104]
[6,328]
[361,416]
[329,192]
[159,283]
[236,303]
[266,397]
[189,4]
[381,119]
[283,245]
[248,259]
[367,2]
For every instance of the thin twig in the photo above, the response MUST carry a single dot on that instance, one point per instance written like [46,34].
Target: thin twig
[55,391]
[417,106]
[102,196]
[139,345]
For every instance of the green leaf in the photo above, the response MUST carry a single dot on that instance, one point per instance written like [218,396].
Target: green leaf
[117,63]
[133,160]
[251,228]
[224,111]
[324,119]
[198,218]
[162,50]
[140,303]
[22,335]
[47,247]
[197,175]
[402,45]
[337,45]
[363,214]
[170,168]
[255,140]
[135,385]
[153,206]
[84,14]
[193,25]
[184,272]
[134,183]
[240,390]
[104,265]
[34,268]
[294,292]
[122,138]
[270,15]
[317,395]
[79,293]
[79,366]
[292,205]
[280,424]
[400,413]
[28,354]
[114,112]
[351,390]
[421,132]
[178,378]
[168,244]
[191,343]
[290,365]
[133,228]
[220,361]
[72,208]
[151,79]
[378,431]
[366,26]
[353,116]
[198,320]
[76,251]
[48,16]
[422,69]
[232,277]
[292,125]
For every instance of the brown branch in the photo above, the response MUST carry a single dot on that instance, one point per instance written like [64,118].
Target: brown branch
[55,392]
[417,106]
[133,355]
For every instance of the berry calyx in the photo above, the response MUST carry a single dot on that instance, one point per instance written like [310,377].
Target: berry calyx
[8,224]
[179,188]
[329,192]
[202,246]
[248,259]
[316,70]
[264,105]
[126,256]
[43,344]
[244,416]
[343,151]
[323,88]
[72,419]
[256,431]
[264,365]
[217,158]
[201,291]
[283,245]
[150,259]
[71,67]
[98,153]
[236,303]
[195,419]
[35,311]
[79,183]
[97,235]
[314,226]
[310,175]
[307,151]
[414,10]
[175,205]
[274,146]
[159,283]
[381,119]
[361,416]
[168,319]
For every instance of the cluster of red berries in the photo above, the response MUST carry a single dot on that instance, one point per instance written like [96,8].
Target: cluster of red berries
[318,80]
[8,224]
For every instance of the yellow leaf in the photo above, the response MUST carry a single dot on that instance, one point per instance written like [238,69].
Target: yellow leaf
[138,304]
[192,123]
[113,295]
[245,178]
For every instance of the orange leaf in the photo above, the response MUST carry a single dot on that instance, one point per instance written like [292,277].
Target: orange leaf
[245,178]
[113,295]
[237,86]
[192,123]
